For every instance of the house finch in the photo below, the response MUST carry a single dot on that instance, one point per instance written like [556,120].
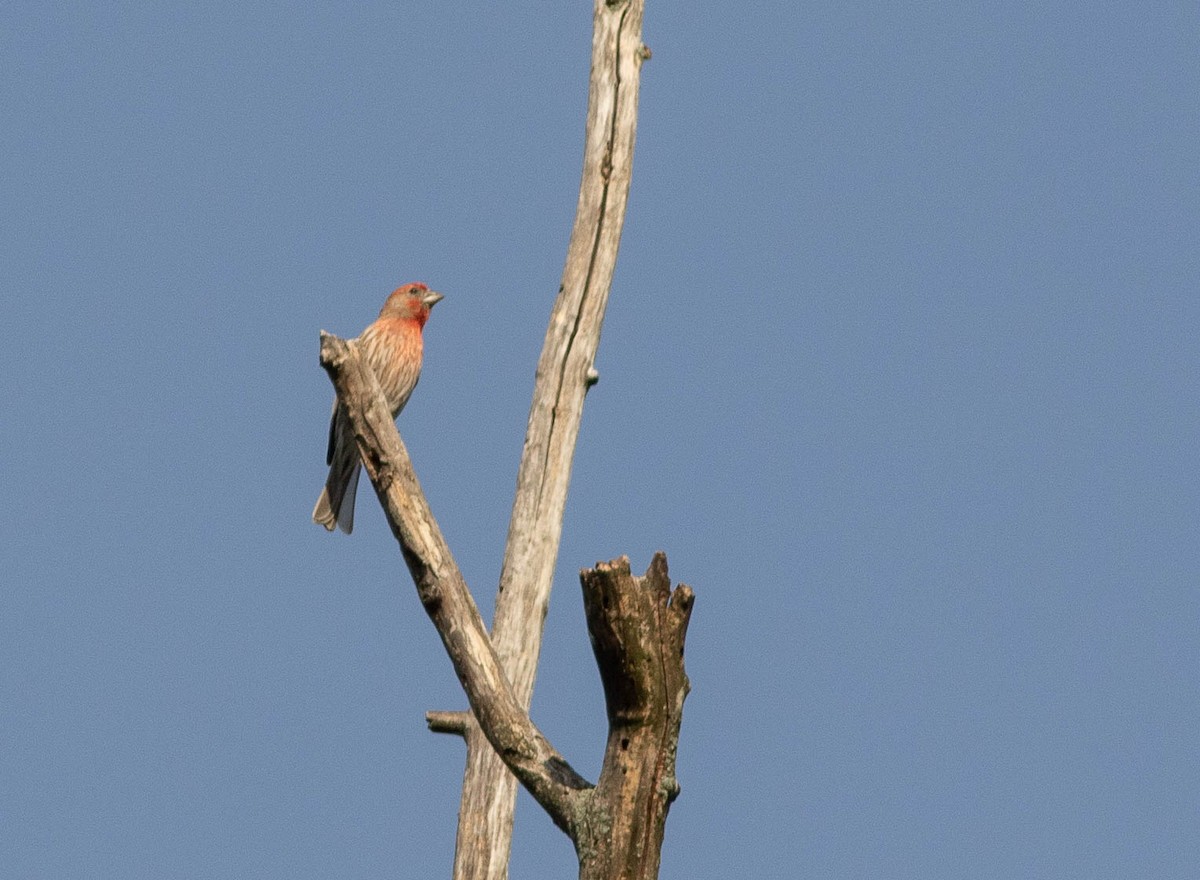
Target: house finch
[392,348]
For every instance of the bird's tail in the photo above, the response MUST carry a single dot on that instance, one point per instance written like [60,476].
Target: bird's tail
[335,507]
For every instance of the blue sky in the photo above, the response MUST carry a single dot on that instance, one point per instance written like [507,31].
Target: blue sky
[900,368]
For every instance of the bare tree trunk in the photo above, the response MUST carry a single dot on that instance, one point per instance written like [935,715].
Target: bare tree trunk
[564,374]
[637,626]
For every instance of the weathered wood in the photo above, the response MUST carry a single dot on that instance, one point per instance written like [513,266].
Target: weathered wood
[448,722]
[564,372]
[638,627]
[444,594]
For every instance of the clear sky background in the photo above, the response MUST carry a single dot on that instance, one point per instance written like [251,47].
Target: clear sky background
[900,368]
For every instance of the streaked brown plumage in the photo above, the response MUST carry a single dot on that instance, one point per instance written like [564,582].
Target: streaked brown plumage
[392,347]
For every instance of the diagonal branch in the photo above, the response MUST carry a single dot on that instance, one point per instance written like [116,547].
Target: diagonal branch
[444,594]
[637,626]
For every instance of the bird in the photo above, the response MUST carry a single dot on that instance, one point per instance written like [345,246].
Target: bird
[392,347]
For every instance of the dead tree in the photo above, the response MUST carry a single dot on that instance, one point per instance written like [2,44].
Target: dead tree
[637,624]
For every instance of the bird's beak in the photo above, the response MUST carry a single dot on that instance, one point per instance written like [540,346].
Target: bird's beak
[431,297]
